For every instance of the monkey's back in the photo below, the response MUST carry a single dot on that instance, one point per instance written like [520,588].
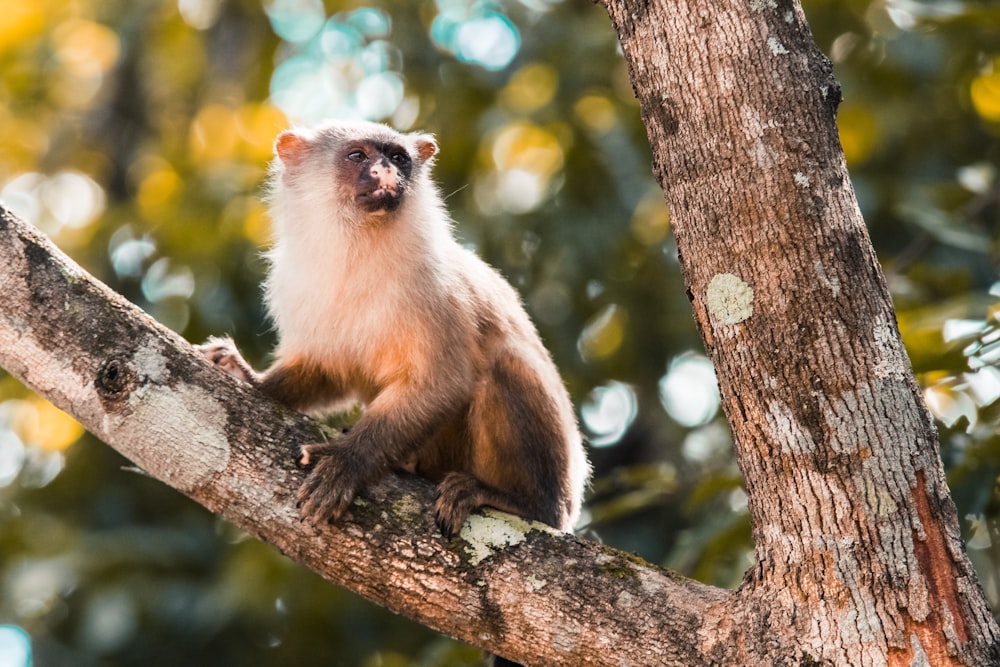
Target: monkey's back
[520,421]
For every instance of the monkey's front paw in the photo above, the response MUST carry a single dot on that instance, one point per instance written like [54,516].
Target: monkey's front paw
[458,496]
[222,352]
[335,480]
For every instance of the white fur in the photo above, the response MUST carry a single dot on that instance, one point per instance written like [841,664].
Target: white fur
[332,286]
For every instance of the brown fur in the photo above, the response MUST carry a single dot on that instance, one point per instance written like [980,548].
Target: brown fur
[375,300]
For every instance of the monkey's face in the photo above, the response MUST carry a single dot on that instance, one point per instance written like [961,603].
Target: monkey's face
[367,168]
[380,173]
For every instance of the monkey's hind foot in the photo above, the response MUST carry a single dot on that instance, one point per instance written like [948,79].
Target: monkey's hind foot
[460,494]
[222,352]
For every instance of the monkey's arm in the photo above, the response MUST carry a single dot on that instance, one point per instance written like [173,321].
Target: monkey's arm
[395,424]
[401,418]
[221,351]
[298,385]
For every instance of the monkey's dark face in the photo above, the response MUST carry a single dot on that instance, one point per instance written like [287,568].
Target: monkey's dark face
[380,173]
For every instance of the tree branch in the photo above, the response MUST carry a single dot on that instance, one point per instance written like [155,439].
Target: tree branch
[519,590]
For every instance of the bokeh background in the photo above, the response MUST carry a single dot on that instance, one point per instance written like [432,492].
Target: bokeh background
[136,133]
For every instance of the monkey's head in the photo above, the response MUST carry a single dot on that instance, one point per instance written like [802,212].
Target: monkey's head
[369,168]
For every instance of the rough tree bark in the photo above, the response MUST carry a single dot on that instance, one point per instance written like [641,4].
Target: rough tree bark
[858,555]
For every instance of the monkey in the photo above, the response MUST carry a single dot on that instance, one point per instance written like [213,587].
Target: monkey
[375,301]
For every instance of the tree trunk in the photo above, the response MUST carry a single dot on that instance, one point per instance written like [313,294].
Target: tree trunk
[858,555]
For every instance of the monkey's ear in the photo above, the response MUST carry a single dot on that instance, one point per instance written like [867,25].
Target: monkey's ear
[426,146]
[290,147]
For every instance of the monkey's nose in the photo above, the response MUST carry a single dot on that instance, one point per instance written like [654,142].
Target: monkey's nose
[383,174]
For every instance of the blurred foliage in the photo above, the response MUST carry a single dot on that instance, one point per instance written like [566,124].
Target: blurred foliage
[137,133]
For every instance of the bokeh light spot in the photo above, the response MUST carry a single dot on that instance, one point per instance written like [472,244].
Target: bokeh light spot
[475,34]
[528,147]
[296,20]
[380,94]
[950,406]
[65,199]
[596,112]
[157,191]
[491,42]
[525,159]
[15,647]
[199,14]
[11,457]
[978,177]
[85,51]
[214,133]
[603,333]
[651,221]
[531,88]
[258,125]
[551,302]
[689,391]
[163,282]
[21,21]
[858,132]
[85,43]
[45,426]
[129,254]
[370,22]
[706,443]
[345,70]
[608,413]
[985,93]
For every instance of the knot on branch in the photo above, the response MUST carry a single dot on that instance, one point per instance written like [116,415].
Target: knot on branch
[116,379]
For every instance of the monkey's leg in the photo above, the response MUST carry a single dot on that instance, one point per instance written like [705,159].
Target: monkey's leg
[520,456]
[460,494]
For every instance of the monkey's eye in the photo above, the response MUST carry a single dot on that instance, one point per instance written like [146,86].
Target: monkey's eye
[399,157]
[356,156]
